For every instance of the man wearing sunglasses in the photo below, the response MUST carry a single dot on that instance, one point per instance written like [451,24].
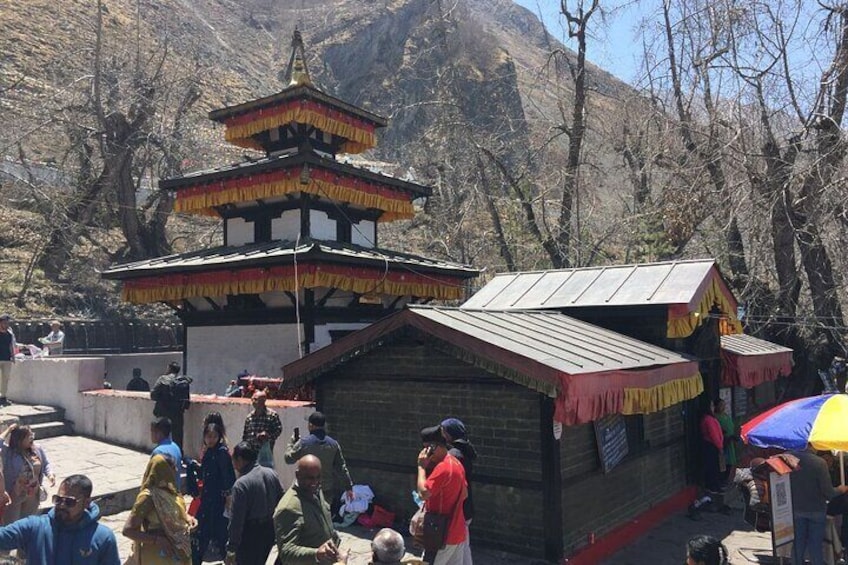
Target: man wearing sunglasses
[68,534]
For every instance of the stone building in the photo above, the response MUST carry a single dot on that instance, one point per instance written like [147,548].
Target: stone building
[538,392]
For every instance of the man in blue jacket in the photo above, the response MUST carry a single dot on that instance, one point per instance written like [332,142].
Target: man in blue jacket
[67,535]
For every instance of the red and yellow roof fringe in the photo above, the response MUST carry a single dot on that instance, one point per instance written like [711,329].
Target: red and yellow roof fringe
[681,323]
[202,198]
[586,397]
[360,280]
[359,134]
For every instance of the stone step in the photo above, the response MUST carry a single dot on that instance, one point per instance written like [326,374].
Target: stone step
[45,430]
[115,472]
[28,415]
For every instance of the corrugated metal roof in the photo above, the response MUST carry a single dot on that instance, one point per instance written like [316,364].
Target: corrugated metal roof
[674,282]
[542,346]
[558,341]
[282,252]
[741,344]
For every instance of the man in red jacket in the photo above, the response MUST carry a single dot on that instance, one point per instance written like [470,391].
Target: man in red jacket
[443,489]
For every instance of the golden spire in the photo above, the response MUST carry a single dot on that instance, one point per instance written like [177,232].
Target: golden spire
[297,72]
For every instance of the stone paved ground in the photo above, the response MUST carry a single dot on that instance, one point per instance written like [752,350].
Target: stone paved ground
[666,543]
[112,470]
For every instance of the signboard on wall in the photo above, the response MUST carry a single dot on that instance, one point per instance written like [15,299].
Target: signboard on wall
[783,526]
[611,437]
[725,394]
[740,402]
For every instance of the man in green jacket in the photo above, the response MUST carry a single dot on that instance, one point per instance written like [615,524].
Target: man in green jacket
[302,523]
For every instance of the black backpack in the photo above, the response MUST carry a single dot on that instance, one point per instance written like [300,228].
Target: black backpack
[176,393]
[181,388]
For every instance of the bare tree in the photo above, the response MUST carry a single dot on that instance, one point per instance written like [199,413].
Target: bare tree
[127,130]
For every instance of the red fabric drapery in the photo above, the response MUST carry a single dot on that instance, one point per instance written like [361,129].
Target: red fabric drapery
[587,397]
[749,371]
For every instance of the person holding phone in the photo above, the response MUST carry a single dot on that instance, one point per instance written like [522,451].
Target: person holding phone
[441,483]
[335,476]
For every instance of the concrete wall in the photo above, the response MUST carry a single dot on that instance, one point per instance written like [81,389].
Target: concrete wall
[124,418]
[119,367]
[217,354]
[116,416]
[57,381]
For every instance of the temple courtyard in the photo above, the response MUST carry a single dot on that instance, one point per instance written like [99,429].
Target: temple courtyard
[116,473]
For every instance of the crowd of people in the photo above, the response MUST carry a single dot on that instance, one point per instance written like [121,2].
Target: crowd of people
[813,476]
[239,508]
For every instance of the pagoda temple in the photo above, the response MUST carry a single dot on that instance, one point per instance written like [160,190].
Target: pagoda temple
[300,265]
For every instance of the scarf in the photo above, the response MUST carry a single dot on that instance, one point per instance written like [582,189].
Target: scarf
[159,483]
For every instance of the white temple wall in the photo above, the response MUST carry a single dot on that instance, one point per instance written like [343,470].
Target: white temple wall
[216,354]
[322,334]
[364,233]
[57,381]
[287,226]
[322,226]
[239,231]
[119,366]
[124,418]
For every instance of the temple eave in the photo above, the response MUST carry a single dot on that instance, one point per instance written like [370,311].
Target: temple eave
[290,278]
[296,93]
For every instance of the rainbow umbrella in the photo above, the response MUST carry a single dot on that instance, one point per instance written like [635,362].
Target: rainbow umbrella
[821,421]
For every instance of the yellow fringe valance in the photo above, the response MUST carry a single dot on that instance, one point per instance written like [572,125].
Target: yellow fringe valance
[203,198]
[715,294]
[359,280]
[359,135]
[660,397]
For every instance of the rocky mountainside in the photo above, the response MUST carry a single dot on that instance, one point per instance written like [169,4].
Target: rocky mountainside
[382,54]
[483,66]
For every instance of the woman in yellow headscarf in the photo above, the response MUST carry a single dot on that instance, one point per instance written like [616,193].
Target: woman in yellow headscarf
[158,522]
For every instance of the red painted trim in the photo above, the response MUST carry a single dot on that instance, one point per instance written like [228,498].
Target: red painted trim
[625,535]
[201,398]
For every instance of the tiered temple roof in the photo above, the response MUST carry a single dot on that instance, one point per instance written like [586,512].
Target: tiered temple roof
[296,218]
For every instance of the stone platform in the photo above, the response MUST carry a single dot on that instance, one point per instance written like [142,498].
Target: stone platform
[114,471]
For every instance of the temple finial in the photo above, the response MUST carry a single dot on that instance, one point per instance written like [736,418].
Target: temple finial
[297,72]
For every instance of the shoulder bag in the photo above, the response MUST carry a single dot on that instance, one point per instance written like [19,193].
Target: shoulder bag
[430,529]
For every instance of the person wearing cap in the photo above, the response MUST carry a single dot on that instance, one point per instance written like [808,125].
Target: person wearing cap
[441,483]
[54,342]
[7,355]
[458,445]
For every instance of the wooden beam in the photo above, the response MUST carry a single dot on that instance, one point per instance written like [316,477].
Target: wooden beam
[326,297]
[364,313]
[215,305]
[552,520]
